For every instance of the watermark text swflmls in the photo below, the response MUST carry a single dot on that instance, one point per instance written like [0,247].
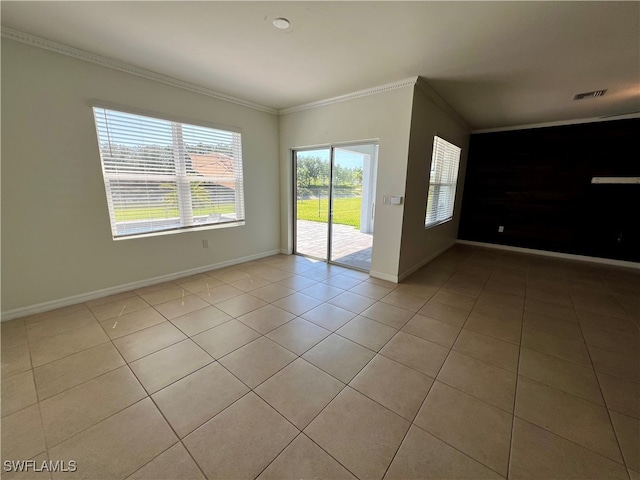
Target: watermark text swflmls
[36,466]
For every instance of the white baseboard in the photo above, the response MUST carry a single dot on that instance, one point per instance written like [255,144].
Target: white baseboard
[547,253]
[286,251]
[85,297]
[417,267]
[384,276]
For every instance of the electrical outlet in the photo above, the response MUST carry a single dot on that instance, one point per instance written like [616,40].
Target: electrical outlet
[205,243]
[500,229]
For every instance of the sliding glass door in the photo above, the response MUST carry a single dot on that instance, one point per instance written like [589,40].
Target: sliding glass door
[312,186]
[335,195]
[353,195]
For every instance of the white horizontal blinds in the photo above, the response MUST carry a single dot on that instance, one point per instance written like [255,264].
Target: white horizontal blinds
[215,173]
[164,175]
[442,181]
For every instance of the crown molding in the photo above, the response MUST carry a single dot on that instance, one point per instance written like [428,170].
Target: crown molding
[422,84]
[560,123]
[62,49]
[408,82]
[124,67]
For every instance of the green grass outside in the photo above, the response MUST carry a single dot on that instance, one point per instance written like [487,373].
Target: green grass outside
[346,211]
[148,213]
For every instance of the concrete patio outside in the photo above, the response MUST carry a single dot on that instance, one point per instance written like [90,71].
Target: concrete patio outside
[349,246]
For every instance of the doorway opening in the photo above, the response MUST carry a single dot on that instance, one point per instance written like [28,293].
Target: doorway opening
[334,188]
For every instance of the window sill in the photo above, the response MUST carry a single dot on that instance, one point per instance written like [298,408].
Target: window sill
[437,224]
[199,228]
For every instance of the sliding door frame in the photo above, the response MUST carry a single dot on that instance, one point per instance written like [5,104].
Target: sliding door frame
[294,183]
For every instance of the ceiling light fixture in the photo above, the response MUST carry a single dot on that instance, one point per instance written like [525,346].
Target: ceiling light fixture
[281,23]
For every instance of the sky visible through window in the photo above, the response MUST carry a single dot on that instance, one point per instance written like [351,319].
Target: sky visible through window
[343,158]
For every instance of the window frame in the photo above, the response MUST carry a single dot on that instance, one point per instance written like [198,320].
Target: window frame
[179,176]
[432,169]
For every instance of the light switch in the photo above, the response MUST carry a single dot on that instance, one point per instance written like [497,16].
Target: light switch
[396,200]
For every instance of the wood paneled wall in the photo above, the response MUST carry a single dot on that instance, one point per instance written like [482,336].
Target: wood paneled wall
[537,184]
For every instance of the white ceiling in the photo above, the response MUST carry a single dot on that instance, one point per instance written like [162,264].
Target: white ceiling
[497,63]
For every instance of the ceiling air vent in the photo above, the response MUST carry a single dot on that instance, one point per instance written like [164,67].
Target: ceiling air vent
[596,93]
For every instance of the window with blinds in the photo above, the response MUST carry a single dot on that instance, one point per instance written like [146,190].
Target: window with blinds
[443,179]
[162,176]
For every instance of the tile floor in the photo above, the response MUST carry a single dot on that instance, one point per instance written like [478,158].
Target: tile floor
[483,364]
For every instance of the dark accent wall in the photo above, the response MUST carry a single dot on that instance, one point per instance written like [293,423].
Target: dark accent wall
[537,184]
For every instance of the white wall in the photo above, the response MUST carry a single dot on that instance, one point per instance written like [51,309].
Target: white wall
[429,118]
[56,238]
[384,116]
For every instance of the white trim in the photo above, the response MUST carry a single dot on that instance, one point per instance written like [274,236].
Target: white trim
[286,251]
[424,86]
[408,82]
[615,180]
[421,264]
[547,253]
[124,67]
[559,123]
[384,276]
[85,297]
[418,266]
[60,48]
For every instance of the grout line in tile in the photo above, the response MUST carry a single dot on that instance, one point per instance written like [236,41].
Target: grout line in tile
[414,336]
[278,371]
[285,447]
[122,311]
[192,311]
[38,403]
[314,417]
[85,382]
[411,424]
[163,451]
[332,376]
[299,354]
[568,440]
[484,362]
[376,401]
[178,379]
[203,423]
[99,421]
[155,351]
[606,407]
[458,266]
[74,353]
[360,393]
[206,330]
[364,346]
[560,389]
[92,425]
[435,379]
[550,318]
[515,391]
[457,449]
[276,411]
